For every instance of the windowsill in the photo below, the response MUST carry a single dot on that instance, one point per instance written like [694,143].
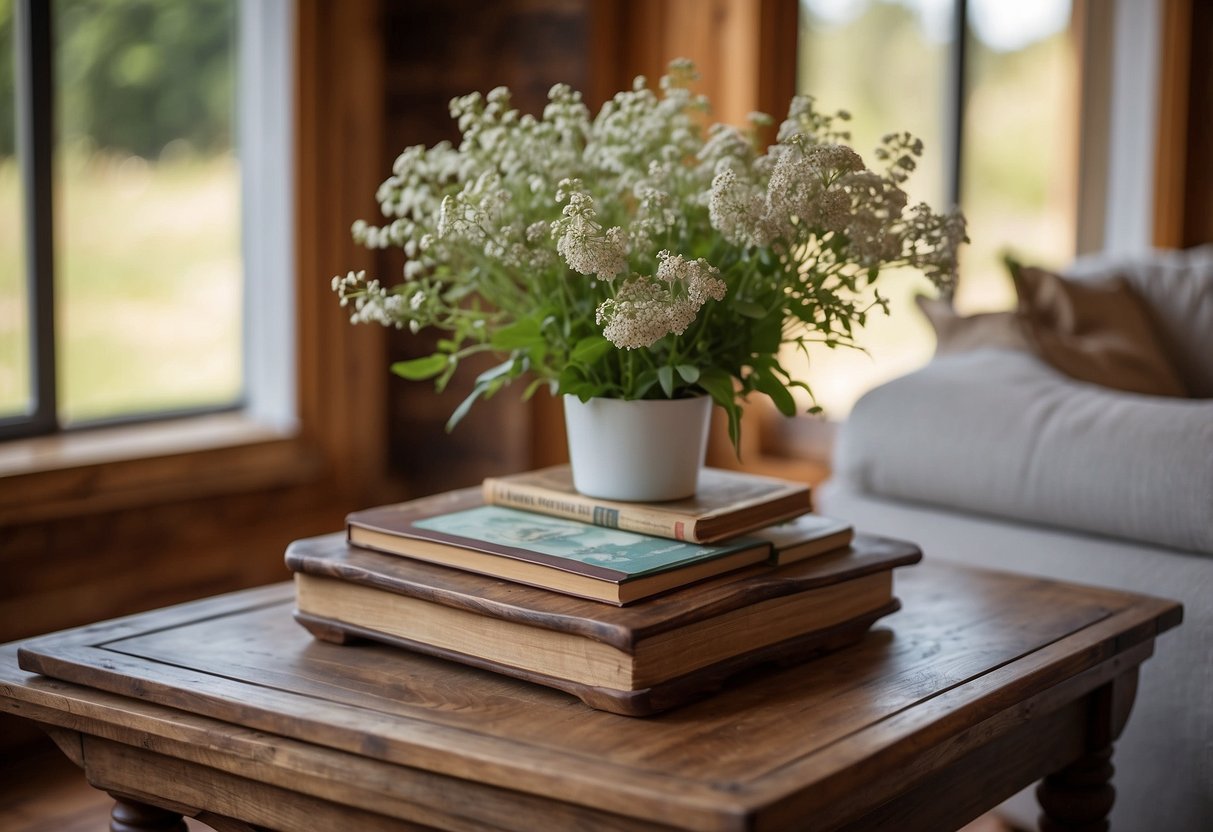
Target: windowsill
[132,466]
[123,444]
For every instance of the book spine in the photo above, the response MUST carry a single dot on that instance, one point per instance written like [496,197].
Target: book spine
[586,510]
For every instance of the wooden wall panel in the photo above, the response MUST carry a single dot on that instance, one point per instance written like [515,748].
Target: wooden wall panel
[744,50]
[1183,170]
[434,51]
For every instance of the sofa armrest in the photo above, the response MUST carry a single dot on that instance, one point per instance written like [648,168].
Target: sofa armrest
[1000,433]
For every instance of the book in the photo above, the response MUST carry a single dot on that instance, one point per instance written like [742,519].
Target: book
[619,567]
[726,503]
[806,536]
[633,660]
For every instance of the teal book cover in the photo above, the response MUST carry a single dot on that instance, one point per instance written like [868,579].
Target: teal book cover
[630,554]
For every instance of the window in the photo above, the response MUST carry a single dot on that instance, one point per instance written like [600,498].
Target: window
[997,111]
[152,140]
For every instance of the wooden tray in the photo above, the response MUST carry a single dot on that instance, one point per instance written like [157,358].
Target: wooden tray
[624,628]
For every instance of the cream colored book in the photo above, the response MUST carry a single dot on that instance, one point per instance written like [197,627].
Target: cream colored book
[583,660]
[805,537]
[726,504]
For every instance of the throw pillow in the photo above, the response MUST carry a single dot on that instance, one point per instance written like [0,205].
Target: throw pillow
[1094,331]
[1177,287]
[962,333]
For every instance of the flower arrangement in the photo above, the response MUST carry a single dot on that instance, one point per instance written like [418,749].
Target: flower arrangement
[638,254]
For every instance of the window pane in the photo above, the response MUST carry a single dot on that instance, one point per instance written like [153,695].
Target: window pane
[1020,145]
[886,62]
[14,309]
[148,271]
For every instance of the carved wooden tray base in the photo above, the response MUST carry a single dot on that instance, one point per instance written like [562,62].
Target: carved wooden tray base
[644,702]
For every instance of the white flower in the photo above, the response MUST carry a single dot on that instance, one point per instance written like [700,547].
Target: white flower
[499,228]
[737,210]
[582,242]
[646,309]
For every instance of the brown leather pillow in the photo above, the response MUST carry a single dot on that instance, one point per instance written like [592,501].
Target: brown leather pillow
[1094,331]
[962,333]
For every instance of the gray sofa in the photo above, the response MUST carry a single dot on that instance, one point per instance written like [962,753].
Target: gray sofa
[990,457]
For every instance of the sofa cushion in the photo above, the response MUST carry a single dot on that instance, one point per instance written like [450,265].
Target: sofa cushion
[1094,330]
[961,333]
[999,432]
[1178,288]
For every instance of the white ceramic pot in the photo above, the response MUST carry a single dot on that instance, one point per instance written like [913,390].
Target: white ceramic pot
[645,450]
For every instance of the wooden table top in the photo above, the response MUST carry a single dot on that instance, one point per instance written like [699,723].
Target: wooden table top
[233,683]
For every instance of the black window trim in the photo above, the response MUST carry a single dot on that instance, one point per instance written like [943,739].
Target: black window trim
[35,145]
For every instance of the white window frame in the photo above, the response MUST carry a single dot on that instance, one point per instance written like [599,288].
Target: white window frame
[265,133]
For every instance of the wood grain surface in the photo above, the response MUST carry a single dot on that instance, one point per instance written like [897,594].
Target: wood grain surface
[974,661]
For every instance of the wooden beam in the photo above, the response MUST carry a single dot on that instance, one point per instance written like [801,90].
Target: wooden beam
[1183,167]
[340,162]
[1171,150]
[1198,197]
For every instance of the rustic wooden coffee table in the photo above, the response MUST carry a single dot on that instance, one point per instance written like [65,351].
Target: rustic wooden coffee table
[227,710]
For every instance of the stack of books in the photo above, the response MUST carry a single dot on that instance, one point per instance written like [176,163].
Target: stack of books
[633,608]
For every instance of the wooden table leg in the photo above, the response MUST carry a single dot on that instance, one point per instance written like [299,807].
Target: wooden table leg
[1079,798]
[131,816]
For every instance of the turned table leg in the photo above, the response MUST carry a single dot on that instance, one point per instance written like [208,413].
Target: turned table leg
[1079,798]
[131,816]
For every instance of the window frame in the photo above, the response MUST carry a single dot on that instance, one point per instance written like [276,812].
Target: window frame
[264,107]
[34,78]
[320,425]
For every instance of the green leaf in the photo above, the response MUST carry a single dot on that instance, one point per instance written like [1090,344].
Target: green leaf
[419,369]
[749,309]
[523,334]
[531,388]
[773,387]
[570,375]
[464,407]
[689,373]
[573,382]
[767,335]
[445,378]
[581,389]
[496,372]
[588,350]
[644,382]
[719,386]
[665,375]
